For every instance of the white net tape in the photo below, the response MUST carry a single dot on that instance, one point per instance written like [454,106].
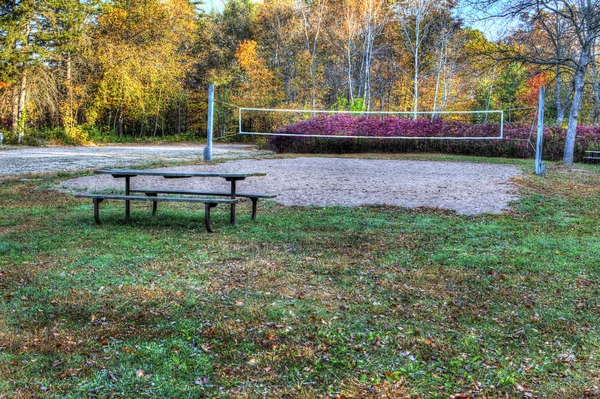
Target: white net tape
[446,125]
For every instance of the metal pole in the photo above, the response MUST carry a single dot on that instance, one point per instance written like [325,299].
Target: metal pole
[501,124]
[209,124]
[540,168]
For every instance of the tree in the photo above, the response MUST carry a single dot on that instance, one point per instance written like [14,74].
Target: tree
[313,15]
[260,86]
[18,54]
[143,51]
[579,22]
[63,27]
[415,18]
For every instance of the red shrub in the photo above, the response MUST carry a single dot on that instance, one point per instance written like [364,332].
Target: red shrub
[514,145]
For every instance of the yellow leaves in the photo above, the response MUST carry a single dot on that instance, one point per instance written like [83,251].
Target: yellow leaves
[114,19]
[247,56]
[261,87]
[142,49]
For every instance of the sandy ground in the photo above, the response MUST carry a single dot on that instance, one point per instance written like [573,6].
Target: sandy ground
[28,160]
[467,188]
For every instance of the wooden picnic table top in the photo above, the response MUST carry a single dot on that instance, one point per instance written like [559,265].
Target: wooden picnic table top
[172,174]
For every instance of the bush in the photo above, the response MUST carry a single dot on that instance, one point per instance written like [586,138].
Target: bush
[85,134]
[514,145]
[56,136]
[40,137]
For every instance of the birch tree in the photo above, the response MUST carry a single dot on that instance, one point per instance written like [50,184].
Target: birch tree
[375,19]
[414,17]
[447,30]
[313,16]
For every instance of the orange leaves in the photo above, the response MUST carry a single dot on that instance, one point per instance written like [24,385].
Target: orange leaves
[533,87]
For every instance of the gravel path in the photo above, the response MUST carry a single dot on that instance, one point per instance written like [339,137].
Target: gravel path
[467,188]
[28,160]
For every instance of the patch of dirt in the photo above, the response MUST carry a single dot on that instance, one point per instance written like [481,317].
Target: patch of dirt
[467,188]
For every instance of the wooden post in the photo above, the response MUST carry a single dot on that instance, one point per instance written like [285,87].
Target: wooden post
[209,124]
[540,167]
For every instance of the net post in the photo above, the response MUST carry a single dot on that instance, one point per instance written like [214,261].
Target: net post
[209,124]
[502,124]
[540,167]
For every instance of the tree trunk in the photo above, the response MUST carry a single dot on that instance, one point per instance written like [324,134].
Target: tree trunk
[15,110]
[595,87]
[447,87]
[489,100]
[178,117]
[368,55]
[120,124]
[349,55]
[155,123]
[579,81]
[69,121]
[22,98]
[440,67]
[186,125]
[560,109]
[416,77]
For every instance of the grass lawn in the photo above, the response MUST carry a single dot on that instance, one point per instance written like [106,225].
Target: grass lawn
[362,302]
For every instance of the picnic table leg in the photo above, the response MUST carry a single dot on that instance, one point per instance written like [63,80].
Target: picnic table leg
[154,203]
[127,192]
[233,181]
[254,203]
[207,208]
[97,202]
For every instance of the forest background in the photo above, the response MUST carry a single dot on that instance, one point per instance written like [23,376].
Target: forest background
[76,71]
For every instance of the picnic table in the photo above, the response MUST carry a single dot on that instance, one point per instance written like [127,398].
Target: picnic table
[593,156]
[232,196]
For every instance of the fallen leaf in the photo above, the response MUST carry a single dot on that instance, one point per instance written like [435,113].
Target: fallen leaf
[201,380]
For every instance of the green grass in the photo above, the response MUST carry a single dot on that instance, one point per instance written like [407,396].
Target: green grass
[308,302]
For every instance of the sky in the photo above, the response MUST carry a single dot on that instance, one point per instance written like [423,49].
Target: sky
[210,4]
[493,30]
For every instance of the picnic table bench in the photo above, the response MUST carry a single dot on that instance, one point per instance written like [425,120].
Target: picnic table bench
[254,197]
[593,156]
[152,194]
[208,203]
